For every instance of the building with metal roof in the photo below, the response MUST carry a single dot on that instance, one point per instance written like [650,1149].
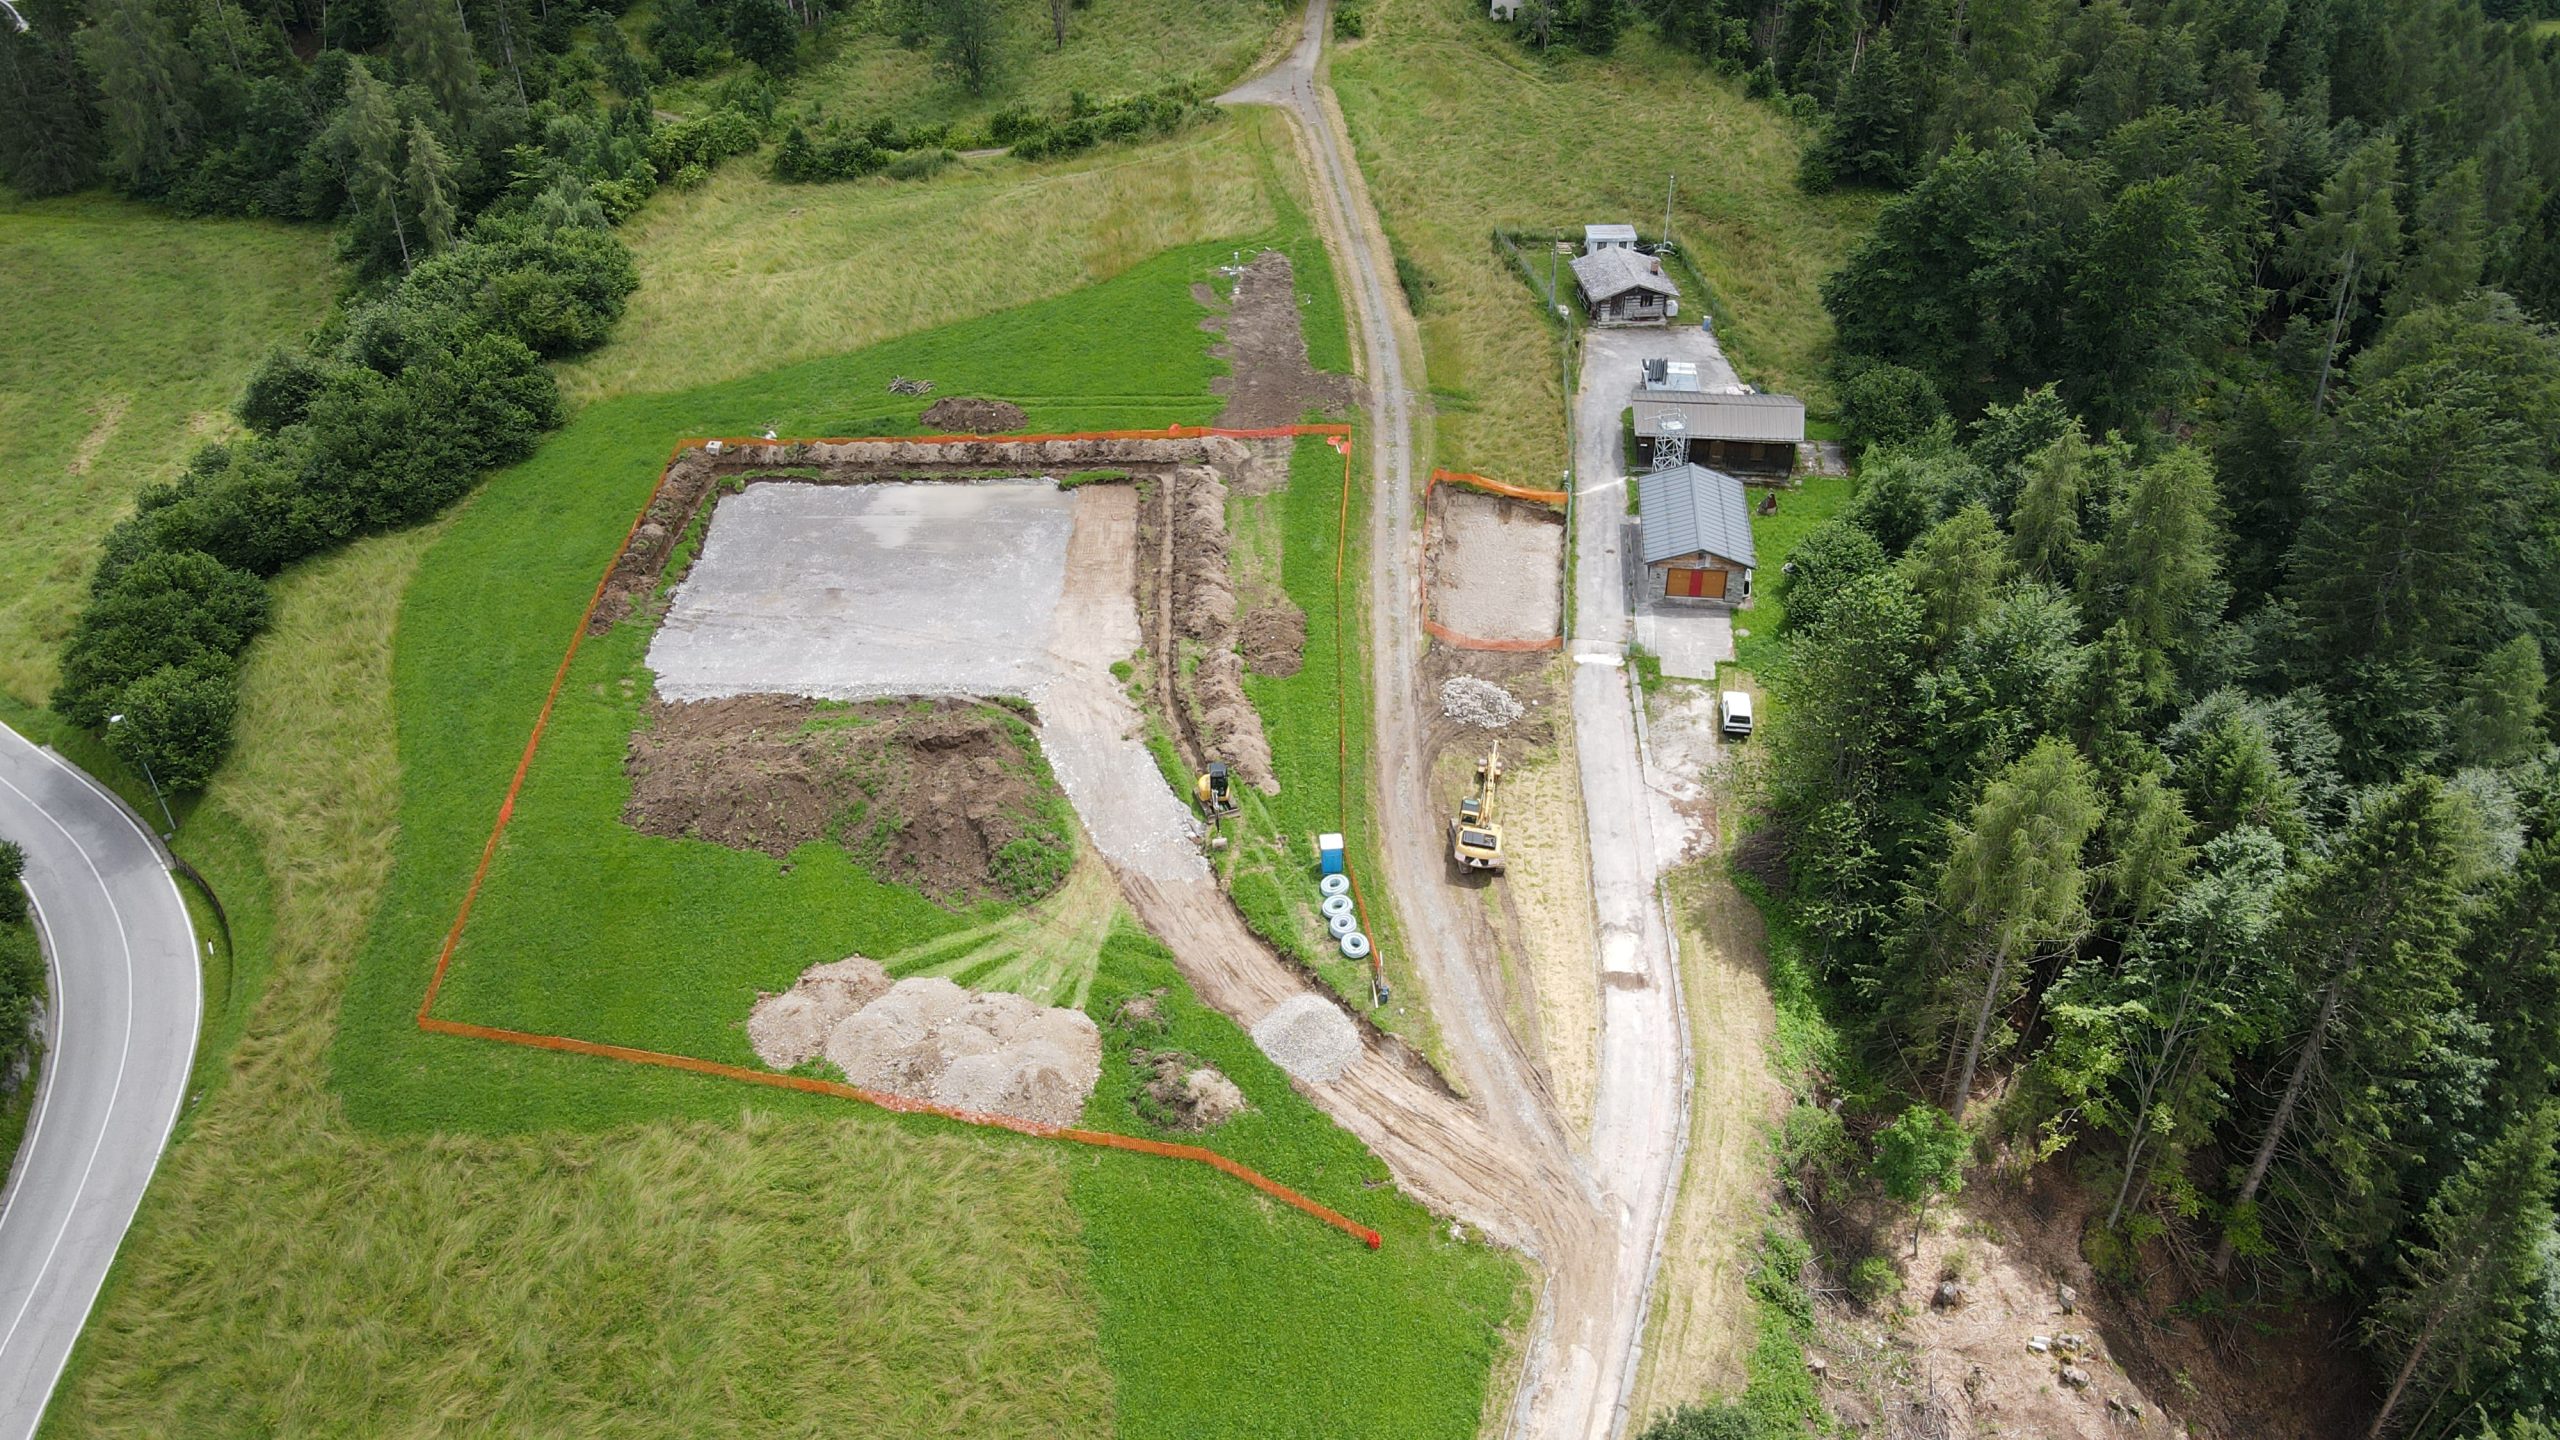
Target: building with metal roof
[1694,532]
[1607,237]
[1750,432]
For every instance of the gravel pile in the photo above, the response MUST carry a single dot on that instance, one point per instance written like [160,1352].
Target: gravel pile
[1309,1037]
[1480,703]
[930,1039]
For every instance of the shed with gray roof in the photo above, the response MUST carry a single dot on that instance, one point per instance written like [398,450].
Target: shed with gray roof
[1750,432]
[1694,531]
[1623,286]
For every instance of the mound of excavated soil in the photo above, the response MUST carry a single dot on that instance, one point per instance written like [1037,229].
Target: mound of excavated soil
[929,1039]
[968,415]
[938,794]
[1187,595]
[1184,1094]
[1274,638]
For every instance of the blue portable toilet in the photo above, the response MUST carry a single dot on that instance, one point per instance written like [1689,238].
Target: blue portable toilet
[1329,853]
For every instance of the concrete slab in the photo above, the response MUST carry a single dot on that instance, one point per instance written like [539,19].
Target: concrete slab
[1691,642]
[848,592]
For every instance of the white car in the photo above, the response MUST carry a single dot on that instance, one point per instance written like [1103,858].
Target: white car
[1733,713]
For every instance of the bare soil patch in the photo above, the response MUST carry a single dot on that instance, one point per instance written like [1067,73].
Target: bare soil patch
[971,415]
[1187,608]
[1274,638]
[929,1039]
[950,796]
[1183,1094]
[1495,565]
[1265,345]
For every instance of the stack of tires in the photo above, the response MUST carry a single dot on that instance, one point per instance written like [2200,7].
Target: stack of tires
[1342,916]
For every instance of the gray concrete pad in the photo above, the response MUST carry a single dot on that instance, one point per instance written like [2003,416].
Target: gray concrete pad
[848,592]
[1692,640]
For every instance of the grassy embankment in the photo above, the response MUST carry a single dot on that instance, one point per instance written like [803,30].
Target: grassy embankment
[536,1242]
[1460,129]
[126,336]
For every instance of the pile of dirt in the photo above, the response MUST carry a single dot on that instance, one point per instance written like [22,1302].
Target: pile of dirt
[969,415]
[1265,346]
[634,576]
[1470,700]
[950,796]
[1309,1037]
[1274,638]
[1183,1094]
[1190,597]
[986,1052]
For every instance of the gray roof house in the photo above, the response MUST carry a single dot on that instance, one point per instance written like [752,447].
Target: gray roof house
[1694,527]
[1622,286]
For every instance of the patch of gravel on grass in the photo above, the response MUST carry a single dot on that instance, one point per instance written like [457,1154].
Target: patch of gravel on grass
[1480,703]
[1309,1037]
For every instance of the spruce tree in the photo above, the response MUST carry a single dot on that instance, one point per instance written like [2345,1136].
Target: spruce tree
[48,121]
[435,51]
[2366,938]
[430,187]
[2012,884]
[2159,568]
[2457,1309]
[2045,529]
[146,79]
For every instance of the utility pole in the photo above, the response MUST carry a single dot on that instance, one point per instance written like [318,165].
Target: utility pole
[1668,186]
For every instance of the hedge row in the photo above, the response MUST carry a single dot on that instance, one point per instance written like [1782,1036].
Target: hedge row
[408,398]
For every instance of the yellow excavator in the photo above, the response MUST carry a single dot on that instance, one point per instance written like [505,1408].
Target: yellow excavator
[1215,791]
[1475,836]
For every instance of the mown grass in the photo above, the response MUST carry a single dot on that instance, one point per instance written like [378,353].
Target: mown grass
[1773,539]
[748,274]
[1460,129]
[369,1225]
[1339,1340]
[125,337]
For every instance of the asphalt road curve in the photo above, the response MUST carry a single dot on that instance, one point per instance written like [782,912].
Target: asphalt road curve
[127,999]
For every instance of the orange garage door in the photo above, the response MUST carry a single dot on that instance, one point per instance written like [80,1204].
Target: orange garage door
[1694,584]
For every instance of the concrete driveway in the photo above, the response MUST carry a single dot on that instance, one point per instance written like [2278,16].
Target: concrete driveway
[127,998]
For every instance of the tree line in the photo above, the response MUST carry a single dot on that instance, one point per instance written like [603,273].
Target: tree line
[2217,852]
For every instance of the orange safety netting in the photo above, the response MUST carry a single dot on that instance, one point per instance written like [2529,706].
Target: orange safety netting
[1339,436]
[1498,487]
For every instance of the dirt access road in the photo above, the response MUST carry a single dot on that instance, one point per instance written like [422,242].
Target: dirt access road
[1597,1228]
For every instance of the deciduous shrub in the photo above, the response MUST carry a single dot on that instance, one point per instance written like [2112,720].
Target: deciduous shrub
[168,608]
[13,897]
[177,720]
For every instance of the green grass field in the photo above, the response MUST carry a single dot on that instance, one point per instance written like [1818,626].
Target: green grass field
[1773,539]
[126,336]
[1460,129]
[366,1225]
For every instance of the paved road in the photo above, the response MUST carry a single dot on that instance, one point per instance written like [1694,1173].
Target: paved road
[127,999]
[1597,1225]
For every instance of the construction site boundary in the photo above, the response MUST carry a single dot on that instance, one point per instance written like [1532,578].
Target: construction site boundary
[1422,578]
[1340,438]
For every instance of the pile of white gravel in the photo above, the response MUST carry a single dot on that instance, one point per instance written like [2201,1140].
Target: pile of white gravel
[1309,1037]
[930,1039]
[1481,703]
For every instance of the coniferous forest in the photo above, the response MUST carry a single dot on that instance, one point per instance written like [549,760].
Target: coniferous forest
[2165,764]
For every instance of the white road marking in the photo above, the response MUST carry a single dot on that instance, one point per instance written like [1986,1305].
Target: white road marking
[123,1062]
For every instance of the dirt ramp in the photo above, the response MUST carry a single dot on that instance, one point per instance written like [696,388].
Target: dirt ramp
[929,1039]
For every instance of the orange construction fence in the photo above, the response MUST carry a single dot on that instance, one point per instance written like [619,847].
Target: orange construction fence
[1498,487]
[1340,438]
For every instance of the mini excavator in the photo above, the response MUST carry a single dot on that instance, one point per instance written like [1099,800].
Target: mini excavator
[1215,791]
[1475,836]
